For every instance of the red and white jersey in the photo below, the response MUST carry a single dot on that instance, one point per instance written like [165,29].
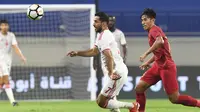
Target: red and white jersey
[6,42]
[119,37]
[106,41]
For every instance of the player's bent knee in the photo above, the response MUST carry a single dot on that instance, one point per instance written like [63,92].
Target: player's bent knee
[5,79]
[138,88]
[6,82]
[1,81]
[141,87]
[101,101]
[173,99]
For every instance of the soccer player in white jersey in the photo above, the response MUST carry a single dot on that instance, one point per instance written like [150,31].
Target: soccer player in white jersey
[119,37]
[113,66]
[7,42]
[121,42]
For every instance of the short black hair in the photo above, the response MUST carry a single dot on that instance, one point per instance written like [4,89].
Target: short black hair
[102,16]
[149,13]
[112,18]
[3,21]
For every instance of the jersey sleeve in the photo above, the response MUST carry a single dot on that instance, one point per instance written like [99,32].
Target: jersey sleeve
[155,34]
[14,41]
[122,39]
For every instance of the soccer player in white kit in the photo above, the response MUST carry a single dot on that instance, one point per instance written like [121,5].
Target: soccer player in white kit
[113,66]
[119,37]
[7,42]
[121,43]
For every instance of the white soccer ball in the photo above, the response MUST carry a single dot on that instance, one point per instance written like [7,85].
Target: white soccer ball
[35,12]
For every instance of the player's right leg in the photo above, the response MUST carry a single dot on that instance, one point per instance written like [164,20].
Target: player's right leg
[6,82]
[150,77]
[109,91]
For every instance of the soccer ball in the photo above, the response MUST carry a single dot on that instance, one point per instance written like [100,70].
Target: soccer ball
[35,12]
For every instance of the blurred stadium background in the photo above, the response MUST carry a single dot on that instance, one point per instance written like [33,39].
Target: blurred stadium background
[50,76]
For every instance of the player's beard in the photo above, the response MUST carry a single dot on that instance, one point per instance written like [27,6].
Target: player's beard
[99,30]
[4,31]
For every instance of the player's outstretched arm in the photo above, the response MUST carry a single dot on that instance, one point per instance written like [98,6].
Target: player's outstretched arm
[19,53]
[87,53]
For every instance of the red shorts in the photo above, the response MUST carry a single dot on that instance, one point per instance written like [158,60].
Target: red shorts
[167,74]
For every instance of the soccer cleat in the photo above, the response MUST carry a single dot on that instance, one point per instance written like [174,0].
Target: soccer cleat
[135,108]
[15,104]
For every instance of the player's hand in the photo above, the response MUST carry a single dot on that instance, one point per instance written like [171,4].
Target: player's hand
[142,57]
[115,76]
[72,53]
[23,59]
[144,66]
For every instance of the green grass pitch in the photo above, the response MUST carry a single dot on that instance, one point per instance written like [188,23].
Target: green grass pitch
[89,106]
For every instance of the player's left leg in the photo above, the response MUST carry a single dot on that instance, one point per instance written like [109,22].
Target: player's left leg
[170,83]
[109,91]
[149,78]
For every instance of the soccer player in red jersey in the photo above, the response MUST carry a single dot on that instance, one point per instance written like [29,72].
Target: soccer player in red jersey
[163,67]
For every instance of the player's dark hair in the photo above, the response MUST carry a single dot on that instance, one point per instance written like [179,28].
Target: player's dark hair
[149,13]
[102,16]
[112,18]
[3,21]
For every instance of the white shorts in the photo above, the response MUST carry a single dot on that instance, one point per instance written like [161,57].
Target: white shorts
[111,88]
[5,69]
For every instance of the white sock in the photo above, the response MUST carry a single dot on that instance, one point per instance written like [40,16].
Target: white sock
[114,104]
[9,93]
[117,109]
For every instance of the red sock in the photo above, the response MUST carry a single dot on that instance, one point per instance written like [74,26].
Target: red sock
[141,99]
[187,101]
